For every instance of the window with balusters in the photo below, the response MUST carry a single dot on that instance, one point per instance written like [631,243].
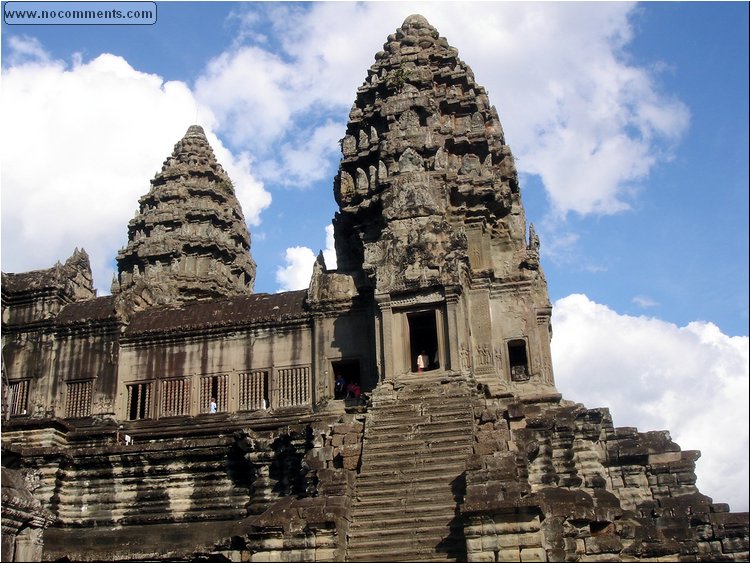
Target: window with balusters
[78,399]
[214,387]
[175,399]
[139,400]
[292,387]
[253,390]
[19,397]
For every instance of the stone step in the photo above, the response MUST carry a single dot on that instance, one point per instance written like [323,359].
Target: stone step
[432,433]
[384,509]
[449,470]
[415,548]
[382,461]
[452,470]
[436,529]
[411,491]
[399,423]
[416,498]
[419,438]
[425,520]
[371,491]
[454,409]
[423,395]
[417,443]
[426,455]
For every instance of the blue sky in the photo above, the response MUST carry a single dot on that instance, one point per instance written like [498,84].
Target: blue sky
[629,123]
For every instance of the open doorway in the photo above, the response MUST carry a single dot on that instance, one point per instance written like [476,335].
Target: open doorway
[423,339]
[345,372]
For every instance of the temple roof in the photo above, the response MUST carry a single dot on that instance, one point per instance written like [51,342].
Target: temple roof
[36,280]
[225,312]
[72,278]
[99,309]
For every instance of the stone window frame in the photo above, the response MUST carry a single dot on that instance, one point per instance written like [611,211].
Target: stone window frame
[175,401]
[18,404]
[249,390]
[515,377]
[206,391]
[286,396]
[78,397]
[147,404]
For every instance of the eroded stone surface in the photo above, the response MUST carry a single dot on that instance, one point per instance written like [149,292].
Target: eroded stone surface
[189,239]
[424,158]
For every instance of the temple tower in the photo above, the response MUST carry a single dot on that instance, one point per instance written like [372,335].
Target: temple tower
[430,219]
[189,239]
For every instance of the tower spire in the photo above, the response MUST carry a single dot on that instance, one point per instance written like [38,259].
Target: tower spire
[425,167]
[189,239]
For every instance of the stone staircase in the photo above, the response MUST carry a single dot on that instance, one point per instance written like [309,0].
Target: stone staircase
[417,439]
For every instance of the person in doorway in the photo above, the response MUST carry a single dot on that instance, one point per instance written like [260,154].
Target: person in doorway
[212,407]
[353,391]
[339,387]
[423,361]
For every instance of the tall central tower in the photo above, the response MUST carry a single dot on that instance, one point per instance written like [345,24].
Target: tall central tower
[430,218]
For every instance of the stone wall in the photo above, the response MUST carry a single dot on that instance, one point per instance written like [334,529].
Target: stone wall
[280,486]
[553,481]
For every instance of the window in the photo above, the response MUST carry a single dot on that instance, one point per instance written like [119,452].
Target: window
[214,387]
[78,399]
[253,391]
[175,397]
[519,361]
[292,387]
[139,401]
[19,397]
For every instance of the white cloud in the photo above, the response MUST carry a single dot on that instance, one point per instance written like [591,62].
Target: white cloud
[24,49]
[577,112]
[692,381]
[329,253]
[296,274]
[644,302]
[299,260]
[79,146]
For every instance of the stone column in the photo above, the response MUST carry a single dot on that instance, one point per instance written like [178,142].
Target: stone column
[385,336]
[453,337]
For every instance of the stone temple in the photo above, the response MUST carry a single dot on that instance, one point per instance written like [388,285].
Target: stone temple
[186,418]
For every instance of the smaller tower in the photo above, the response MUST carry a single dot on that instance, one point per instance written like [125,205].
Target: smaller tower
[189,239]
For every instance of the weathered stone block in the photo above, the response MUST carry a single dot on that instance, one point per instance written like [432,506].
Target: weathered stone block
[606,543]
[509,554]
[533,554]
[735,545]
[482,556]
[474,545]
[351,463]
[507,540]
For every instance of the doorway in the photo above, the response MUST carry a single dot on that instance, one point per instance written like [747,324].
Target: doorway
[423,338]
[348,371]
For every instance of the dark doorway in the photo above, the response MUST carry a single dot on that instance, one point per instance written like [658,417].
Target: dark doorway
[519,360]
[349,371]
[423,338]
